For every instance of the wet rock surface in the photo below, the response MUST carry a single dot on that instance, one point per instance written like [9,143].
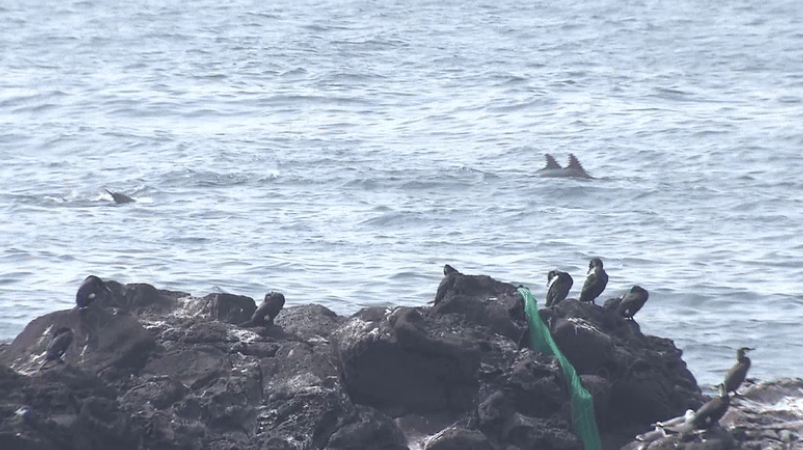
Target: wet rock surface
[765,415]
[154,369]
[640,378]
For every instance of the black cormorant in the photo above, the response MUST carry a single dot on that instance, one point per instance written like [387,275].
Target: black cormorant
[736,374]
[632,302]
[270,307]
[90,289]
[595,283]
[58,345]
[448,270]
[713,410]
[559,285]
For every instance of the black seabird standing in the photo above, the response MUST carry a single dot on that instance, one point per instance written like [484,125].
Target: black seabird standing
[90,290]
[595,283]
[559,285]
[270,307]
[736,374]
[713,410]
[632,302]
[58,345]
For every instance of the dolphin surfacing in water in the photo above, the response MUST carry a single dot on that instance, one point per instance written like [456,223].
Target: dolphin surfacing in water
[554,170]
[119,198]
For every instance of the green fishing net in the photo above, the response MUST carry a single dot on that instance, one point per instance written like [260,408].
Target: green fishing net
[582,404]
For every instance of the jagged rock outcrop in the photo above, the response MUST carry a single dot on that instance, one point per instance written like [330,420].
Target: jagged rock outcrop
[768,415]
[104,343]
[154,369]
[642,378]
[764,416]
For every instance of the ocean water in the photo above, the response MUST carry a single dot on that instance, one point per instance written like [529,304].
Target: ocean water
[343,151]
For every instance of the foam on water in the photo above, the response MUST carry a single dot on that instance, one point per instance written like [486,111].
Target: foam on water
[343,152]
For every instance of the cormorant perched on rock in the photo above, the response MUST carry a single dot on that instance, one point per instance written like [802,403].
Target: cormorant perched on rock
[270,307]
[596,280]
[632,302]
[448,270]
[713,410]
[559,285]
[59,343]
[119,198]
[447,282]
[736,374]
[90,289]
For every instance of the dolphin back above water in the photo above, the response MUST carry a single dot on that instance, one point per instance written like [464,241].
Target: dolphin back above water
[119,198]
[554,170]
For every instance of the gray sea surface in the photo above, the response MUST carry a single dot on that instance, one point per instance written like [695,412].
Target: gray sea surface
[342,151]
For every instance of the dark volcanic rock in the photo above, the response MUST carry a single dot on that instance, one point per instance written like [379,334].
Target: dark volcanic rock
[768,415]
[483,301]
[140,299]
[459,357]
[459,439]
[61,408]
[480,286]
[647,379]
[230,308]
[193,367]
[407,362]
[532,384]
[103,342]
[369,429]
[600,390]
[160,392]
[303,399]
[153,369]
[530,432]
[589,349]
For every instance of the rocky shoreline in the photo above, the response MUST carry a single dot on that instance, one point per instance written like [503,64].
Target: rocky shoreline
[156,369]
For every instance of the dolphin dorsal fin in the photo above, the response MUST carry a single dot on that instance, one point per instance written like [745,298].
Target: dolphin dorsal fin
[119,198]
[551,163]
[574,163]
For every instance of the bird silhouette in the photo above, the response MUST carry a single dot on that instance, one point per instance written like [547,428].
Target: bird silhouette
[559,285]
[270,307]
[736,374]
[595,283]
